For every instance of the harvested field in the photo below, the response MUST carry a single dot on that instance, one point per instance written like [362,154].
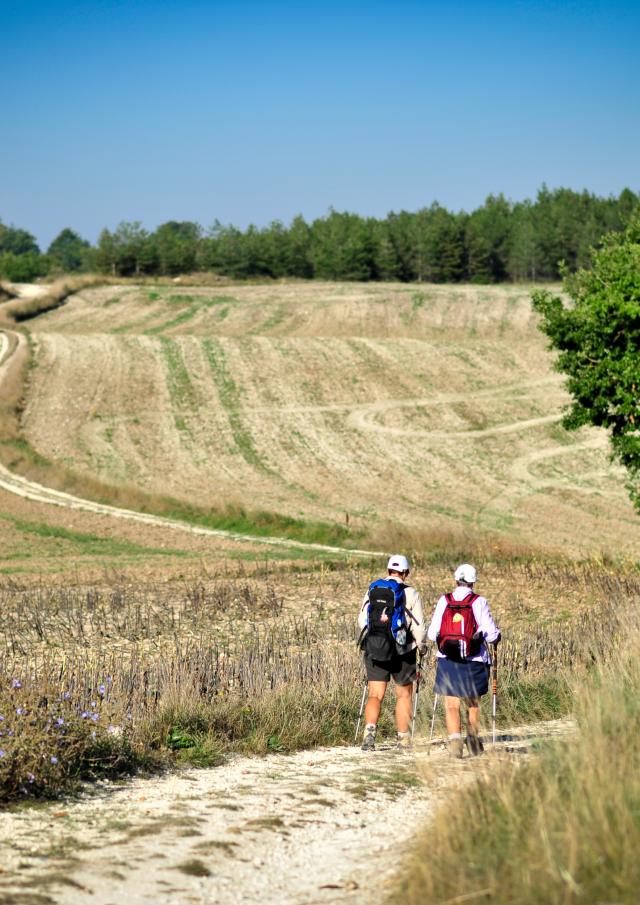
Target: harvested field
[412,411]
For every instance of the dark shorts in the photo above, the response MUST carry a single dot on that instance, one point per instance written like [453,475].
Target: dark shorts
[469,679]
[401,668]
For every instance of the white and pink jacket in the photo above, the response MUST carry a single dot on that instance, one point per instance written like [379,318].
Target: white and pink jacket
[484,619]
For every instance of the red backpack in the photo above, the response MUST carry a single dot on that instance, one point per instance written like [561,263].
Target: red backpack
[458,626]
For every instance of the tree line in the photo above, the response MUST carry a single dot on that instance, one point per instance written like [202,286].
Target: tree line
[497,242]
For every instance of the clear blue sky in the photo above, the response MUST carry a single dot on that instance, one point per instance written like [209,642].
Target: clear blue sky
[252,111]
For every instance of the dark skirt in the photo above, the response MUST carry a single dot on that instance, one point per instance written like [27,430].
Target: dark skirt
[469,679]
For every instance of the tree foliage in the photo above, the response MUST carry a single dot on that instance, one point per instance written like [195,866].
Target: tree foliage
[598,340]
[501,240]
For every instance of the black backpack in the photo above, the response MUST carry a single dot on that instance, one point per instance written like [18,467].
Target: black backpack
[385,633]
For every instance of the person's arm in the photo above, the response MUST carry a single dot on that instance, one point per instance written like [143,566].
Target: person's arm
[436,619]
[415,619]
[362,615]
[486,626]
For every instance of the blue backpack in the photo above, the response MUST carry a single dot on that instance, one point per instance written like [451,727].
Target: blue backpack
[386,630]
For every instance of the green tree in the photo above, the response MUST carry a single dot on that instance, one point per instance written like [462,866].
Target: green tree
[23,268]
[69,252]
[127,251]
[598,340]
[342,247]
[488,234]
[17,241]
[176,246]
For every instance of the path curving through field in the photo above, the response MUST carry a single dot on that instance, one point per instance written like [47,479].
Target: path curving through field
[299,829]
[31,490]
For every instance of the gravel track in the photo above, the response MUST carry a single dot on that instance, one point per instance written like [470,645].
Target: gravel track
[313,827]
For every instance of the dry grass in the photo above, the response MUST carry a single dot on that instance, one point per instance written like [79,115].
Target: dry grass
[310,399]
[163,673]
[53,296]
[564,828]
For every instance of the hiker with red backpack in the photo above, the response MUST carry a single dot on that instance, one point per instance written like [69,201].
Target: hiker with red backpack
[393,629]
[462,626]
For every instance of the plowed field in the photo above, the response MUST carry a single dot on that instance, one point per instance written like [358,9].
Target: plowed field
[434,409]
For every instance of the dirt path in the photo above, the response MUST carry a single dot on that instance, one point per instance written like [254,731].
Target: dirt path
[35,492]
[298,829]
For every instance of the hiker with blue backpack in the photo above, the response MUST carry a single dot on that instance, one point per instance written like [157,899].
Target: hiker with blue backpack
[463,628]
[392,630]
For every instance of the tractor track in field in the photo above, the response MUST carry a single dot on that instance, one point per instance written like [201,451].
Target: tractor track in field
[38,493]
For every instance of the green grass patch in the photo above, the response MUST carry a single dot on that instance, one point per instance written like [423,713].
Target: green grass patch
[89,544]
[230,398]
[261,523]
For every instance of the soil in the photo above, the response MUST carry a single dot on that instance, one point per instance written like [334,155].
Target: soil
[313,827]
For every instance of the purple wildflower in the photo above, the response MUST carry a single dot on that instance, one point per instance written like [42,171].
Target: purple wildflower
[101,690]
[2,752]
[1,718]
[20,711]
[30,777]
[95,717]
[54,759]
[59,722]
[66,695]
[16,683]
[84,715]
[93,704]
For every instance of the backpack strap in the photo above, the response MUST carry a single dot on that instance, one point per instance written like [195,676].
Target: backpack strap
[469,600]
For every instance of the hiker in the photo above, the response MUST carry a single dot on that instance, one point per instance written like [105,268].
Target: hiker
[462,627]
[392,626]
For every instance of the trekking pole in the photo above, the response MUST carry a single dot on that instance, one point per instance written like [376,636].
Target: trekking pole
[433,720]
[415,697]
[364,694]
[494,688]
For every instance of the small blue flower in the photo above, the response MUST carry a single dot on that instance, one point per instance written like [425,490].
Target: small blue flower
[101,690]
[1,718]
[93,704]
[54,759]
[30,777]
[2,752]
[66,695]
[20,711]
[59,721]
[16,683]
[84,715]
[95,717]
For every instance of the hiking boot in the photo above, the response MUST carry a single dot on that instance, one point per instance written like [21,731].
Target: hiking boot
[369,741]
[403,742]
[474,745]
[455,747]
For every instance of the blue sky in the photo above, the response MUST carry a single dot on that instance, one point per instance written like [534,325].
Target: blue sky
[253,111]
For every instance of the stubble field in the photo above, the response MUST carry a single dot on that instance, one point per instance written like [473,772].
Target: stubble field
[416,412]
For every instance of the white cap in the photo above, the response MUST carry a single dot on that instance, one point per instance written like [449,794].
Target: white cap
[398,563]
[465,572]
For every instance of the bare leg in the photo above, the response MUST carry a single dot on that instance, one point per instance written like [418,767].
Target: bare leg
[374,702]
[452,714]
[403,707]
[474,715]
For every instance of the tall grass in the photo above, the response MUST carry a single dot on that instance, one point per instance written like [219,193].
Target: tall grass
[564,828]
[56,294]
[155,674]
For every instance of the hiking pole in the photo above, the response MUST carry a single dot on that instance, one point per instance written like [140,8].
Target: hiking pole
[494,688]
[364,694]
[433,720]
[415,697]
